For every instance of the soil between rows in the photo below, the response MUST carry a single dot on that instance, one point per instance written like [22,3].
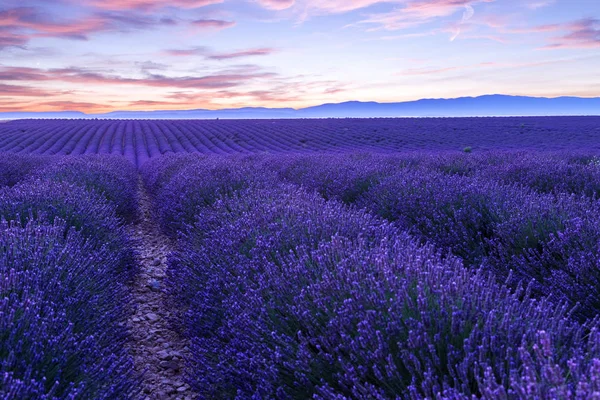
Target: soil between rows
[159,352]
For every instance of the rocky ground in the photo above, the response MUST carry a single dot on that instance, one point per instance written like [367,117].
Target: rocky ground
[158,351]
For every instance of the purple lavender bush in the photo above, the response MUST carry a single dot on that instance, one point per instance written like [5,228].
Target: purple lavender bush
[552,172]
[194,182]
[259,217]
[286,296]
[159,171]
[82,210]
[112,177]
[554,241]
[549,174]
[15,167]
[62,311]
[454,212]
[344,177]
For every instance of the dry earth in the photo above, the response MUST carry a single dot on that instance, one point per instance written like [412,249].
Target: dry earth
[159,352]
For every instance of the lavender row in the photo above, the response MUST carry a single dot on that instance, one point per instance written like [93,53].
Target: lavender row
[535,215]
[15,167]
[346,176]
[112,177]
[65,261]
[286,295]
[141,140]
[180,184]
[554,172]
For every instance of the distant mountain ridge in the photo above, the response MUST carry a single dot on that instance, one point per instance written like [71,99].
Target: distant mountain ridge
[481,106]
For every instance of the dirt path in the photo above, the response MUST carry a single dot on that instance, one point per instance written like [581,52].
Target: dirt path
[157,350]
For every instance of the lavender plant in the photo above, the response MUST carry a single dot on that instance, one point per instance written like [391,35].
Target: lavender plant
[62,312]
[287,296]
[82,210]
[15,167]
[112,177]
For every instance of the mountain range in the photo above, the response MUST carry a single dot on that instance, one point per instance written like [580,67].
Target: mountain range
[482,106]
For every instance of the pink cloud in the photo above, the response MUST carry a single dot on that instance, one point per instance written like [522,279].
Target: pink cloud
[170,105]
[422,8]
[539,4]
[17,19]
[583,33]
[70,105]
[212,24]
[19,25]
[9,39]
[334,90]
[146,5]
[321,7]
[341,6]
[206,52]
[265,51]
[415,13]
[224,79]
[504,24]
[534,29]
[22,91]
[194,51]
[276,4]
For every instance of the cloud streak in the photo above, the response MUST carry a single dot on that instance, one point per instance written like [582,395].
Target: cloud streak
[147,5]
[582,34]
[467,15]
[414,13]
[265,51]
[212,24]
[211,55]
[23,91]
[224,79]
[276,4]
[20,25]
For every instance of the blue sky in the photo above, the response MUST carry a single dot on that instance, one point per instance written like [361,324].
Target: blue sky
[103,55]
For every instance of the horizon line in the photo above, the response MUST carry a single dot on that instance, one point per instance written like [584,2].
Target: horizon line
[250,108]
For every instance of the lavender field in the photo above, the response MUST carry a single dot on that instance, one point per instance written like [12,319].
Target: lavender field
[140,140]
[323,259]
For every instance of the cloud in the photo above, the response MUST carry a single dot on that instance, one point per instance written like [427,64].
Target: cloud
[533,29]
[276,4]
[12,40]
[583,33]
[419,8]
[151,65]
[70,106]
[193,51]
[467,15]
[340,6]
[265,51]
[539,4]
[22,91]
[216,24]
[147,5]
[308,8]
[415,13]
[20,25]
[211,55]
[19,20]
[224,79]
[22,74]
[334,90]
[198,101]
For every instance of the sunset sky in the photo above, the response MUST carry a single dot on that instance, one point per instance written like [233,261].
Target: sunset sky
[104,55]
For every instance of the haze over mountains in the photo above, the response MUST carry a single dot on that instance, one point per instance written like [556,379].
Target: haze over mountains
[489,105]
